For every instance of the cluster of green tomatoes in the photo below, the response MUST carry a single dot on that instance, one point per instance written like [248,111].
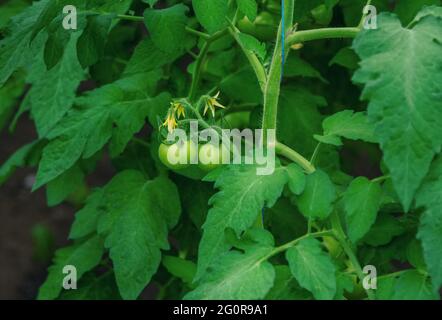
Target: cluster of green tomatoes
[182,155]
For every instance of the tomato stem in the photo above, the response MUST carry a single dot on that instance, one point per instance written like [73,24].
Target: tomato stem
[342,239]
[130,18]
[294,156]
[323,33]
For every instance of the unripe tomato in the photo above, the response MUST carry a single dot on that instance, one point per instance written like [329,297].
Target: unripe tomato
[210,156]
[177,156]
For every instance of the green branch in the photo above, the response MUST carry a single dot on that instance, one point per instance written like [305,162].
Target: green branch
[342,239]
[318,34]
[199,62]
[292,243]
[292,155]
[130,18]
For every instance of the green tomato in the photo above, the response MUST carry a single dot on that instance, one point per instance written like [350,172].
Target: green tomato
[210,157]
[177,156]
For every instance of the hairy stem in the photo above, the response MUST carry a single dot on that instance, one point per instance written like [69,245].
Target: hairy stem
[292,155]
[318,34]
[273,86]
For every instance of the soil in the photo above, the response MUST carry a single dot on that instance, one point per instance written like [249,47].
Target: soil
[21,273]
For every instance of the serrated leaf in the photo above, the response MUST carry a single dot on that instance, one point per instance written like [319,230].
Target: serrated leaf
[86,219]
[138,215]
[91,44]
[313,268]
[15,46]
[53,94]
[252,44]
[362,201]
[83,256]
[242,195]
[237,276]
[405,101]
[412,285]
[148,57]
[84,132]
[349,125]
[167,27]
[249,8]
[211,14]
[319,194]
[430,227]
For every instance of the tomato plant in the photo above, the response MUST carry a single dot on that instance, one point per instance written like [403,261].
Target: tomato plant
[353,96]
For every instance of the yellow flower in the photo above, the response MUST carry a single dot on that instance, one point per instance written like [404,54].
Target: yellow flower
[170,122]
[178,109]
[212,103]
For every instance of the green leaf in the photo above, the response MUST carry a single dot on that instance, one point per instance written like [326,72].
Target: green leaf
[93,287]
[84,132]
[302,7]
[430,228]
[167,27]
[297,179]
[434,11]
[9,97]
[138,215]
[86,220]
[237,276]
[317,199]
[286,287]
[346,124]
[313,268]
[252,44]
[15,46]
[242,195]
[180,268]
[64,185]
[83,256]
[412,285]
[362,201]
[406,10]
[148,57]
[53,94]
[347,58]
[404,91]
[91,44]
[19,159]
[211,14]
[299,119]
[384,230]
[249,8]
[10,9]
[295,66]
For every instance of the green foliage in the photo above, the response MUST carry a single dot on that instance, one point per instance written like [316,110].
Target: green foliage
[357,177]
